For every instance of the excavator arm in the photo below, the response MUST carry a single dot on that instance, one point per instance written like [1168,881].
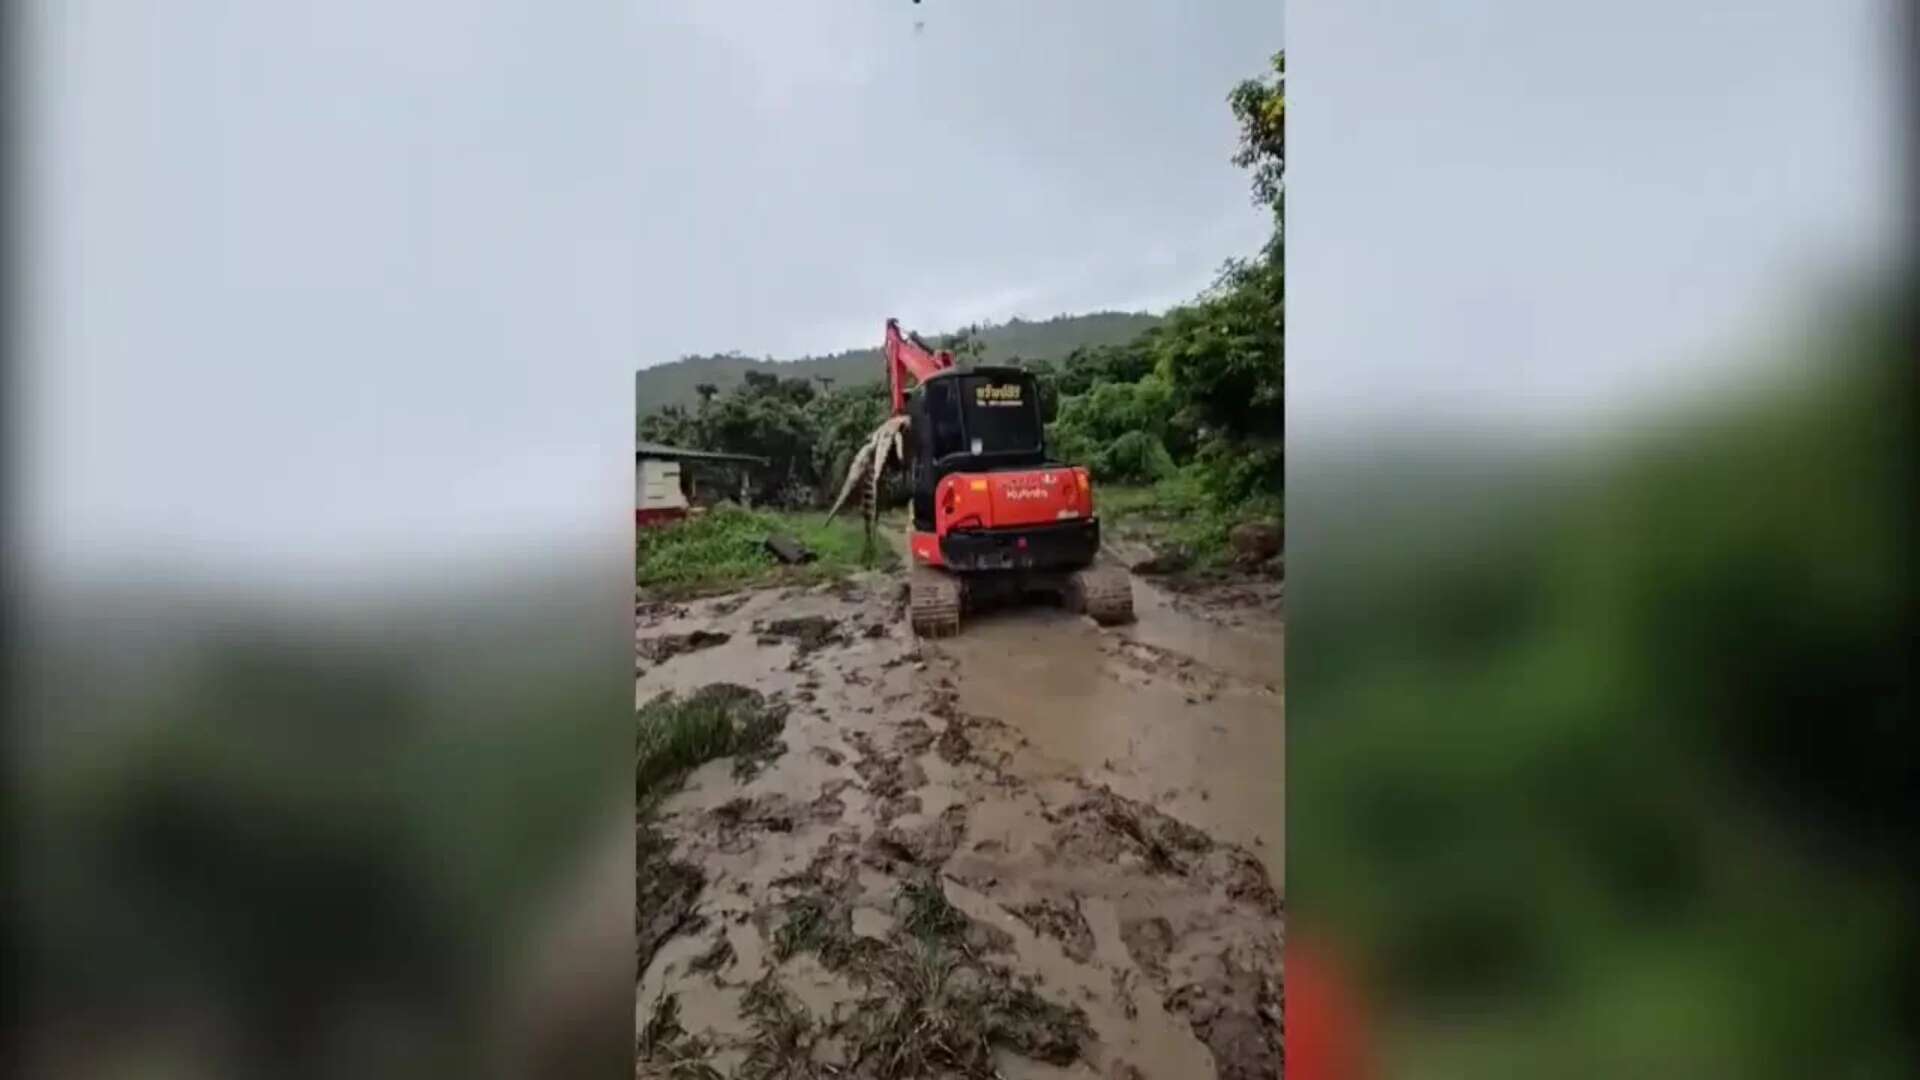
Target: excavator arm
[909,358]
[910,362]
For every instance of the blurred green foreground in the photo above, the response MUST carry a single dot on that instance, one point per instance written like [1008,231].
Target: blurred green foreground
[1614,773]
[325,836]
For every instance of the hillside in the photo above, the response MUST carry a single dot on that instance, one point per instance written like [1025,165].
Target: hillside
[1051,339]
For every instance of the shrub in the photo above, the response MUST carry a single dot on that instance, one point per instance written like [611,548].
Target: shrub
[1135,457]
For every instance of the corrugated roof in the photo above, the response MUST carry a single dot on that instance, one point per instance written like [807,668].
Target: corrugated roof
[662,450]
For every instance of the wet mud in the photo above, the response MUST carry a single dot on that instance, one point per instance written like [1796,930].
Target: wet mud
[661,648]
[1058,846]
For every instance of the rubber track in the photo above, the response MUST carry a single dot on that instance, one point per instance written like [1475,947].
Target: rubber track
[933,602]
[1105,594]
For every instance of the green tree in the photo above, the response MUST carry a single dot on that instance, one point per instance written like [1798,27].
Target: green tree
[1224,354]
[671,425]
[1260,105]
[966,344]
[1046,379]
[1123,431]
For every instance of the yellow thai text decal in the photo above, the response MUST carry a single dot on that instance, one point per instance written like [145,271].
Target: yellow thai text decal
[1008,394]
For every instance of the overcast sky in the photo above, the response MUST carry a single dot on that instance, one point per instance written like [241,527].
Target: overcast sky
[324,281]
[330,283]
[1507,214]
[813,168]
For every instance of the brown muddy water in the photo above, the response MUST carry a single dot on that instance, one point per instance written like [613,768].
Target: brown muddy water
[1104,808]
[1175,711]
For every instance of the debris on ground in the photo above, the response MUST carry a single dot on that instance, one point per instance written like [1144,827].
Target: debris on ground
[666,1049]
[1233,1009]
[648,612]
[1061,920]
[789,550]
[1106,827]
[927,844]
[716,958]
[1255,541]
[953,746]
[664,894]
[664,647]
[673,737]
[811,632]
[727,605]
[1169,559]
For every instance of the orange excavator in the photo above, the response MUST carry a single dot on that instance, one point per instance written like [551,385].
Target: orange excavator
[994,516]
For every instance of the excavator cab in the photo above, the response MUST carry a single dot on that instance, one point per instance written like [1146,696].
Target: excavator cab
[986,494]
[975,421]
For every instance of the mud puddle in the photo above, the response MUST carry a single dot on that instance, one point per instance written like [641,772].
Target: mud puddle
[1172,711]
[1220,629]
[1037,849]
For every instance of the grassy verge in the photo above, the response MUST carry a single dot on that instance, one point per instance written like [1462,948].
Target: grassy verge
[1176,512]
[724,549]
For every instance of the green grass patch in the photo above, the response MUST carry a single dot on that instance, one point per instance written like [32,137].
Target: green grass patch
[822,924]
[1124,502]
[929,1005]
[928,914]
[784,1034]
[724,549]
[676,735]
[934,1012]
[665,1046]
[808,924]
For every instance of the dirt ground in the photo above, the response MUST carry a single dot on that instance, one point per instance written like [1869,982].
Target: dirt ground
[1091,820]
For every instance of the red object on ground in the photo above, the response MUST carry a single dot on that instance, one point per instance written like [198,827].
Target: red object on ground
[1326,1029]
[644,519]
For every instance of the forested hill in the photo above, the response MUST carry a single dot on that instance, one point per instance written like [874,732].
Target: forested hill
[677,382]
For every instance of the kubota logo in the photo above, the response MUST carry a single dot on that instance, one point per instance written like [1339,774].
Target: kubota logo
[1026,493]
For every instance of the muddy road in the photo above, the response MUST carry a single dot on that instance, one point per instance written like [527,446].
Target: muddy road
[1052,849]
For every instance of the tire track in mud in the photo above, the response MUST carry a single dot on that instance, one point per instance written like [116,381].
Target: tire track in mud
[929,803]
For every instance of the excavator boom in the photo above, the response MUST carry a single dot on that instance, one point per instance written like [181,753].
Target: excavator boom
[907,357]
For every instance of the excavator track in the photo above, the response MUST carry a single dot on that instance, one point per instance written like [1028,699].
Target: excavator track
[933,602]
[1104,593]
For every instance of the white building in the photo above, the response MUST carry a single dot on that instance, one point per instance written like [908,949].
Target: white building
[663,488]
